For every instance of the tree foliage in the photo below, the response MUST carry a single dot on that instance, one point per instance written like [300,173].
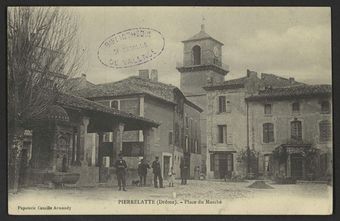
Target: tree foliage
[43,51]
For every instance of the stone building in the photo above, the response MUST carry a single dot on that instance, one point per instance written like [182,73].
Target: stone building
[202,63]
[178,135]
[56,149]
[257,113]
[296,120]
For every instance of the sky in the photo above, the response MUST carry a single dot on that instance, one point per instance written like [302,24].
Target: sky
[286,41]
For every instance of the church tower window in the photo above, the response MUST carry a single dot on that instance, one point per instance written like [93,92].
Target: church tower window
[196,52]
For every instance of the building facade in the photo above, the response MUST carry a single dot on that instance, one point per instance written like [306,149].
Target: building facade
[295,119]
[264,114]
[178,135]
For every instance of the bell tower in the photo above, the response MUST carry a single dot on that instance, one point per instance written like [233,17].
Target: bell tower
[202,65]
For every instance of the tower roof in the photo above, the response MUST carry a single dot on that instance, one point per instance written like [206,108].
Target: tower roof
[202,35]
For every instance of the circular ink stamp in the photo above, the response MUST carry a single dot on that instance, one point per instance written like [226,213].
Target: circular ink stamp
[131,47]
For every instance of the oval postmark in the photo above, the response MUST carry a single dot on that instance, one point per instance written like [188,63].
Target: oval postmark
[131,47]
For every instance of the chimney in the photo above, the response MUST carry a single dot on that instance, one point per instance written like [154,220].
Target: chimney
[83,75]
[291,80]
[154,75]
[144,73]
[251,73]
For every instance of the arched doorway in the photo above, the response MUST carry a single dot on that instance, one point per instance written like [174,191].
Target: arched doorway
[196,51]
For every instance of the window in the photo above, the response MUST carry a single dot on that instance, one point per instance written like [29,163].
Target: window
[325,131]
[325,107]
[186,121]
[267,109]
[221,104]
[296,130]
[212,162]
[296,107]
[268,133]
[222,133]
[170,138]
[196,147]
[115,104]
[228,107]
[196,51]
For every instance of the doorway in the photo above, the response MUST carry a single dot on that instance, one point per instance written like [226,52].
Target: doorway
[223,165]
[296,166]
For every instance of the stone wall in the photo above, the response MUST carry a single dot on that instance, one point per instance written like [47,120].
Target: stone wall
[310,115]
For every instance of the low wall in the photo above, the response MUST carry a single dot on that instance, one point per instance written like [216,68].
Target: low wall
[89,176]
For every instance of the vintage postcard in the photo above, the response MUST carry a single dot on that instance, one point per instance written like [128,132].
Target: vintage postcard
[169,110]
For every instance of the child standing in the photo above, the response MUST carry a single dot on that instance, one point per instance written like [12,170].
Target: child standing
[171,177]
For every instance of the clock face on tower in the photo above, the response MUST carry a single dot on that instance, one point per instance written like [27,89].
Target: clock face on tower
[215,50]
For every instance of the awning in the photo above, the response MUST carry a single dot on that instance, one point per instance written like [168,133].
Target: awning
[293,148]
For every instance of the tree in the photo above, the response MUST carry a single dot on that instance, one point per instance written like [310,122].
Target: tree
[43,51]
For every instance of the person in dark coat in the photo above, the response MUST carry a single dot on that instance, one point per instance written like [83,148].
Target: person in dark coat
[121,166]
[184,171]
[156,167]
[142,172]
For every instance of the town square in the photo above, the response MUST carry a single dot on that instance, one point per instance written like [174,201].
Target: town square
[212,111]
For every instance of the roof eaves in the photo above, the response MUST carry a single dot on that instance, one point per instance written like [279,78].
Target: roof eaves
[193,105]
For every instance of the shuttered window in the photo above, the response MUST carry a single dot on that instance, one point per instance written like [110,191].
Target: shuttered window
[296,130]
[296,107]
[325,131]
[268,132]
[222,133]
[267,109]
[221,104]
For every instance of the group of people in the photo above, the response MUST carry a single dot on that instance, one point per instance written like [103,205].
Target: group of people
[143,167]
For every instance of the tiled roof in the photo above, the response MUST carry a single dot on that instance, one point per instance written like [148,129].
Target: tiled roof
[293,91]
[277,81]
[265,80]
[92,91]
[129,86]
[201,35]
[78,83]
[237,81]
[71,101]
[132,86]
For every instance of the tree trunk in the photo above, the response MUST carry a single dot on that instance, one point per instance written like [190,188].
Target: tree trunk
[15,154]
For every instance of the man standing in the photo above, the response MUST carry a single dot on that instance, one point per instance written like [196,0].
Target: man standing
[120,170]
[156,166]
[142,171]
[184,171]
